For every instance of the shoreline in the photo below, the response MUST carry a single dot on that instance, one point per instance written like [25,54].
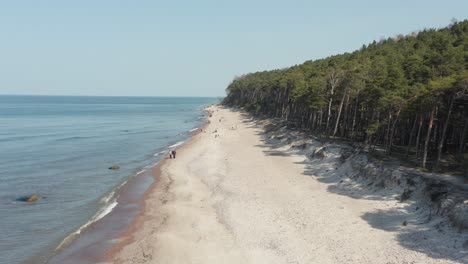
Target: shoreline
[97,239]
[128,236]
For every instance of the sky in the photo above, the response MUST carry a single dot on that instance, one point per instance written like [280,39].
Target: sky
[187,48]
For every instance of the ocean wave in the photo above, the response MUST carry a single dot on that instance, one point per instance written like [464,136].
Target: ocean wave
[111,203]
[106,210]
[177,144]
[27,137]
[147,131]
[194,129]
[72,138]
[107,198]
[159,153]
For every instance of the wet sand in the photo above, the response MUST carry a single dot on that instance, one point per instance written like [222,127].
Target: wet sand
[99,240]
[101,236]
[228,198]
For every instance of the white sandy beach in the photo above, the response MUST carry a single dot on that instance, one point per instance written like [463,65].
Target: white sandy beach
[227,199]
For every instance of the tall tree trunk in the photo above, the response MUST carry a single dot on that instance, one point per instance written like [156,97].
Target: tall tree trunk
[278,103]
[392,132]
[411,137]
[320,118]
[387,132]
[310,120]
[444,131]
[329,111]
[345,126]
[333,80]
[462,140]
[368,138]
[339,112]
[428,136]
[312,127]
[418,137]
[284,111]
[354,116]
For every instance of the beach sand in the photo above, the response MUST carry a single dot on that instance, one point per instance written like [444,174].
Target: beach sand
[228,198]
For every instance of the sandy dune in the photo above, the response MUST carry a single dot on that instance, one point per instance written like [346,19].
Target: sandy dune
[228,199]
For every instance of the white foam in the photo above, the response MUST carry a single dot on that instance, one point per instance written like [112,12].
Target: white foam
[106,211]
[159,153]
[122,184]
[195,129]
[108,197]
[177,144]
[140,172]
[99,215]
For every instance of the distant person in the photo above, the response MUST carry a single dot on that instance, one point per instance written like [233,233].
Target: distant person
[170,154]
[173,154]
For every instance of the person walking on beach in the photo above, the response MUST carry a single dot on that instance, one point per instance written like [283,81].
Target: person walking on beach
[173,153]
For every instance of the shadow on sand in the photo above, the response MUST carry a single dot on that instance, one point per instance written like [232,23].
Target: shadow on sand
[414,225]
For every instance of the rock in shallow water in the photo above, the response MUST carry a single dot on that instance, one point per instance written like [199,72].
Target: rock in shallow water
[114,167]
[28,198]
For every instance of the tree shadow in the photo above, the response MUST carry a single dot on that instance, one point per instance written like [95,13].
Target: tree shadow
[340,180]
[416,230]
[415,226]
[276,153]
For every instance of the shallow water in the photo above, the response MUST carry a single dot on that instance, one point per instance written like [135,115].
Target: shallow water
[61,148]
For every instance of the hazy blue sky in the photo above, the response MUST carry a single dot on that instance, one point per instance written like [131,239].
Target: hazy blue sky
[187,48]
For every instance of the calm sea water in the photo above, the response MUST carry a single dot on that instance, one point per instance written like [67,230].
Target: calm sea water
[61,148]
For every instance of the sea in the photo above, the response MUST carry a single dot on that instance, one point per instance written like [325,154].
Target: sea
[61,148]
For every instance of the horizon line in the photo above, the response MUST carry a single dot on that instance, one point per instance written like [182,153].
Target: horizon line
[60,95]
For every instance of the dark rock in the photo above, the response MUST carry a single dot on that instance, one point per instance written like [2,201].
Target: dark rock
[345,154]
[319,153]
[33,198]
[436,196]
[465,244]
[300,146]
[459,215]
[380,184]
[114,167]
[405,195]
[404,223]
[410,182]
[28,198]
[270,128]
